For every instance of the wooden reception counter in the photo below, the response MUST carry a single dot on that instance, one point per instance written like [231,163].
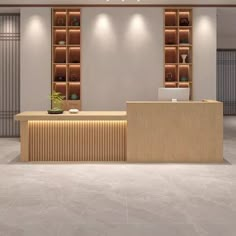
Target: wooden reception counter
[149,132]
[86,136]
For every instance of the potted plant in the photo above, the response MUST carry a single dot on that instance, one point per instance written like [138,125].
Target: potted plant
[57,99]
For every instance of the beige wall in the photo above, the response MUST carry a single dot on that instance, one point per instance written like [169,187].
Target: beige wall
[204,53]
[122,56]
[35,58]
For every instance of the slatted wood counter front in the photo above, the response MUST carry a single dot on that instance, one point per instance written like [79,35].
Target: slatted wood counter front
[86,136]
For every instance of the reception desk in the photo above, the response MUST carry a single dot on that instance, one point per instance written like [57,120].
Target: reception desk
[147,132]
[175,132]
[86,136]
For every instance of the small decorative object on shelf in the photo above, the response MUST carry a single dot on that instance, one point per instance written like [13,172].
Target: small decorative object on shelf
[74,96]
[169,77]
[56,99]
[183,41]
[184,21]
[61,21]
[184,56]
[74,77]
[73,111]
[60,78]
[61,42]
[184,79]
[75,21]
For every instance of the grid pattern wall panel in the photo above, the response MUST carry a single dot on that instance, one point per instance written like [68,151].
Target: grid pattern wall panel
[9,74]
[226,80]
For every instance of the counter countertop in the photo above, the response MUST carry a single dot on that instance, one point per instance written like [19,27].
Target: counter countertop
[82,115]
[170,102]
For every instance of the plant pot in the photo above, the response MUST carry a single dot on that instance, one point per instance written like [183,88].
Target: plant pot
[58,111]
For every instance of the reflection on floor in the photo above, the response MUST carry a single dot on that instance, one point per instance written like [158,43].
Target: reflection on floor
[118,199]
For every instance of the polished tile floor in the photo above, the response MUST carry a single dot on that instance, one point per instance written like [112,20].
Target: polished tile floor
[118,199]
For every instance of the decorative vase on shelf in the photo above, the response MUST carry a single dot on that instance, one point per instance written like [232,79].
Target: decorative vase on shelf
[74,77]
[184,79]
[74,96]
[169,77]
[184,56]
[75,21]
[184,21]
[60,21]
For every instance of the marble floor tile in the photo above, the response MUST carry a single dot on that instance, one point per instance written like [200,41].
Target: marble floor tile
[118,199]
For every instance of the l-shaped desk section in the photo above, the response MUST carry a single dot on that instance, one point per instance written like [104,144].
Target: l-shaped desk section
[172,132]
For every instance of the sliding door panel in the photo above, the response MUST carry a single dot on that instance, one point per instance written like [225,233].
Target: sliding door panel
[9,74]
[226,80]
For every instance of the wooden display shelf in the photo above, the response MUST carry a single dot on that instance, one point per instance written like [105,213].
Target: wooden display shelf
[178,52]
[66,65]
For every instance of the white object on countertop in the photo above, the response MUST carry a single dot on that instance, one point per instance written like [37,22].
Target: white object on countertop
[73,111]
[174,100]
[167,94]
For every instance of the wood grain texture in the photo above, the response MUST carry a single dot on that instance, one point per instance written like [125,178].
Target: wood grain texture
[82,115]
[24,138]
[175,132]
[77,140]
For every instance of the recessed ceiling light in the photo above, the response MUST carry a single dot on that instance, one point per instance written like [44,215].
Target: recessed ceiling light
[108,0]
[122,0]
[138,0]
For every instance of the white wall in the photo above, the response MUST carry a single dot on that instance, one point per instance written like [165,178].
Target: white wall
[122,56]
[35,58]
[204,53]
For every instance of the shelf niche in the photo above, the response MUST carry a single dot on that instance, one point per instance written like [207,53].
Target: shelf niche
[178,48]
[66,51]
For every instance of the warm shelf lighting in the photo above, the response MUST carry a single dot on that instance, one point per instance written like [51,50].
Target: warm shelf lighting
[60,31]
[184,12]
[74,13]
[187,66]
[60,83]
[61,66]
[170,48]
[74,83]
[60,13]
[170,30]
[74,30]
[75,48]
[171,66]
[184,30]
[170,13]
[60,48]
[74,65]
[183,48]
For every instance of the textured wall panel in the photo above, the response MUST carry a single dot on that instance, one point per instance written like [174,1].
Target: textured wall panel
[77,140]
[9,74]
[226,80]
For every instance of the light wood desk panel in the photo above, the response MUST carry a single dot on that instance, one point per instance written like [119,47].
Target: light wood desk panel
[86,136]
[175,132]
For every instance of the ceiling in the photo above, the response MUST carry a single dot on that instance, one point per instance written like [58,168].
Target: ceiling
[121,2]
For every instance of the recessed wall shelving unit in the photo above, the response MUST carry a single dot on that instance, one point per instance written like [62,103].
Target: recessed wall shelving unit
[178,48]
[66,34]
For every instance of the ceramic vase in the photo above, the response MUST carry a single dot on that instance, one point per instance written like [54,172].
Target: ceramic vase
[184,56]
